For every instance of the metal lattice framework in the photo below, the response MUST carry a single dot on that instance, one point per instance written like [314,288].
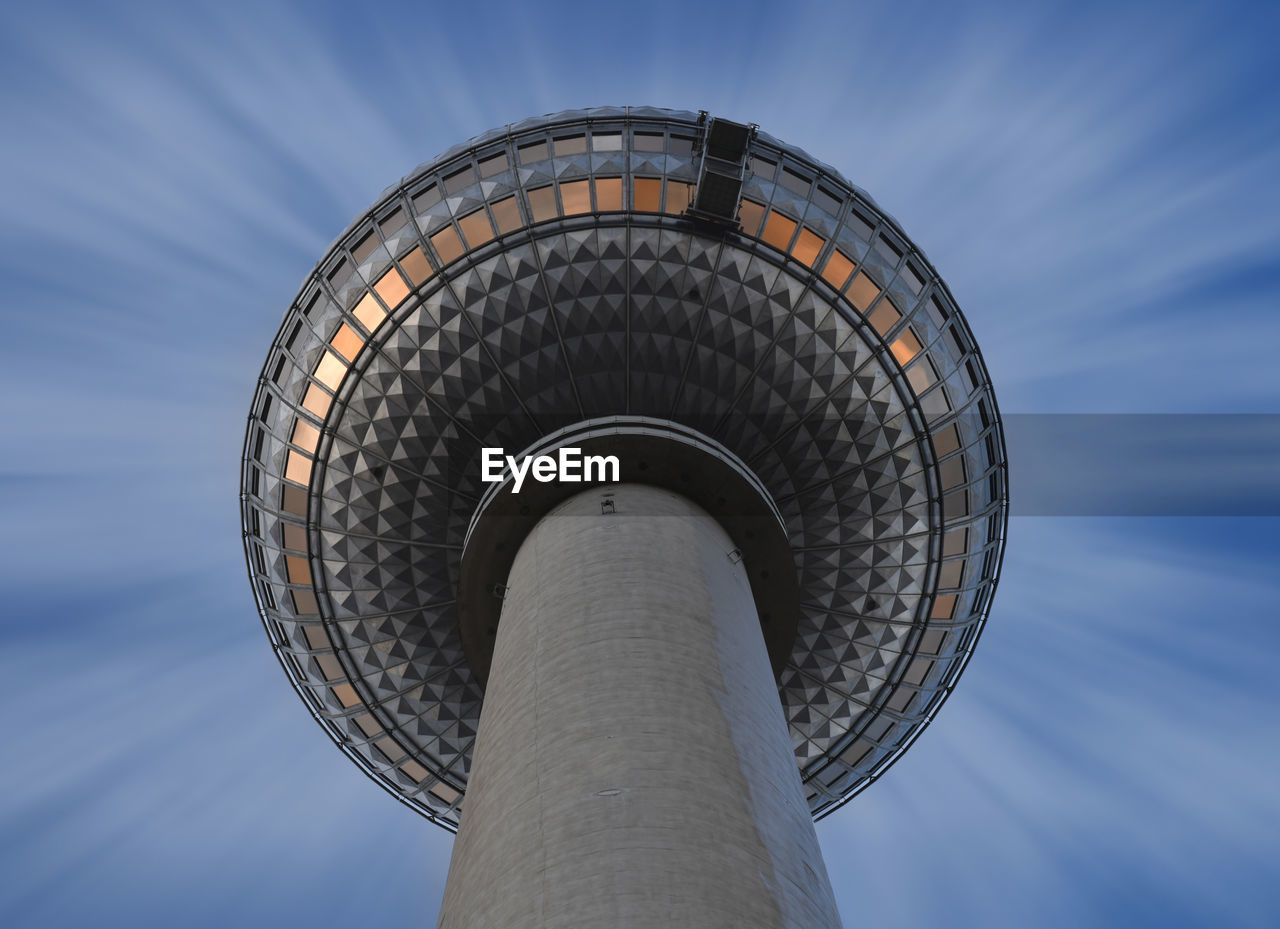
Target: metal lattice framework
[551,272]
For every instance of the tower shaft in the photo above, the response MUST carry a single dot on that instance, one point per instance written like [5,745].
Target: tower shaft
[632,765]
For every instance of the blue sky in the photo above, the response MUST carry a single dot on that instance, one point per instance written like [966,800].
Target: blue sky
[1098,184]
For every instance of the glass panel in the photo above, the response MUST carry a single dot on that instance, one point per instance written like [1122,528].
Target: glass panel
[316,400]
[838,268]
[885,317]
[608,194]
[369,311]
[648,195]
[416,771]
[750,214]
[389,747]
[295,537]
[778,230]
[795,182]
[365,247]
[391,288]
[447,244]
[415,265]
[946,441]
[808,245]
[297,467]
[678,197]
[647,142]
[576,197]
[542,203]
[392,221]
[346,695]
[571,145]
[444,792]
[761,167]
[305,436]
[304,603]
[330,370]
[459,180]
[951,575]
[906,347]
[955,504]
[476,228]
[347,342]
[534,151]
[952,472]
[862,291]
[494,164]
[921,376]
[944,607]
[955,541]
[294,500]
[368,725]
[298,570]
[606,142]
[426,198]
[681,145]
[507,215]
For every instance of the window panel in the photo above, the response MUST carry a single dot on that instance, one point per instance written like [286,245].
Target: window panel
[416,265]
[778,230]
[305,436]
[679,195]
[297,467]
[808,245]
[447,244]
[648,195]
[369,311]
[750,214]
[542,203]
[906,346]
[316,401]
[476,228]
[347,342]
[608,194]
[507,215]
[330,371]
[576,197]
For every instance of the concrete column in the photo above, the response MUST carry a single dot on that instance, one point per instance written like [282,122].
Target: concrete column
[632,767]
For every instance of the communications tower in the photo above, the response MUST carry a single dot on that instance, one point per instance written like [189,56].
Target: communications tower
[629,695]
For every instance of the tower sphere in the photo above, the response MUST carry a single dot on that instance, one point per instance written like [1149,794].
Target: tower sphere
[730,313]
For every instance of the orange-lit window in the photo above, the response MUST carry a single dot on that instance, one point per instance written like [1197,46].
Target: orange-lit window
[609,194]
[317,638]
[750,214]
[346,695]
[476,228]
[447,244]
[885,317]
[542,203]
[838,268]
[297,467]
[305,436]
[316,400]
[369,311]
[944,607]
[861,291]
[416,265]
[347,342]
[391,288]
[946,441]
[951,575]
[679,196]
[298,570]
[906,346]
[576,197]
[368,725]
[808,245]
[778,230]
[507,215]
[648,195]
[330,370]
